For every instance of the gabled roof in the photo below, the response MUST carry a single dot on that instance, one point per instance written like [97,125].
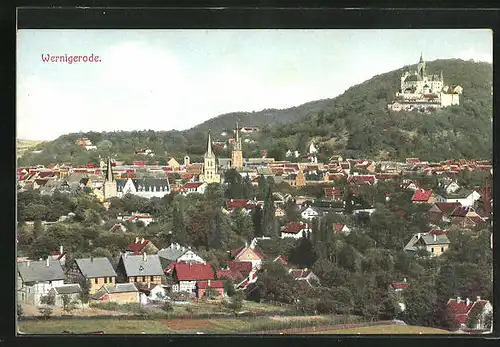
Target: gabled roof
[38,271]
[172,252]
[300,273]
[192,185]
[119,288]
[95,267]
[399,285]
[421,195]
[295,228]
[142,265]
[434,237]
[244,267]
[239,203]
[282,259]
[447,207]
[68,289]
[138,244]
[338,227]
[193,272]
[461,211]
[231,274]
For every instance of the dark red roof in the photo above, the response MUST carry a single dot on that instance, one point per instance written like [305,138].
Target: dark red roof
[235,252]
[295,228]
[193,272]
[362,179]
[238,203]
[421,195]
[447,207]
[397,285]
[300,273]
[460,211]
[137,246]
[339,227]
[192,185]
[332,192]
[244,267]
[282,259]
[243,284]
[213,284]
[233,275]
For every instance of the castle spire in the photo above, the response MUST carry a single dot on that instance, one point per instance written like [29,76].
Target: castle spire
[421,58]
[109,171]
[209,145]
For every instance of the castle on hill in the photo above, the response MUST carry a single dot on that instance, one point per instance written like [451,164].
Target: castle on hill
[422,91]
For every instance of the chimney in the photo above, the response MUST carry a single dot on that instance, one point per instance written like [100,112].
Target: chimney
[28,263]
[48,261]
[208,283]
[144,256]
[60,249]
[142,240]
[467,301]
[136,240]
[478,298]
[418,236]
[91,258]
[246,244]
[459,300]
[404,280]
[435,237]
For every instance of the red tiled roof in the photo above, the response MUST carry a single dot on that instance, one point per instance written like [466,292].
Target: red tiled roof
[460,211]
[231,274]
[362,178]
[339,227]
[244,267]
[137,246]
[396,285]
[213,284]
[282,258]
[421,195]
[332,192]
[243,284]
[193,272]
[300,273]
[295,228]
[447,207]
[192,185]
[238,203]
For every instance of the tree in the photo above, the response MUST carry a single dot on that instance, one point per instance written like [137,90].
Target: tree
[46,311]
[85,290]
[229,288]
[303,255]
[19,311]
[236,302]
[167,306]
[211,293]
[68,303]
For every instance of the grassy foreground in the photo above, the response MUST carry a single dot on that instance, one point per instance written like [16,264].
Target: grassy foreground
[386,329]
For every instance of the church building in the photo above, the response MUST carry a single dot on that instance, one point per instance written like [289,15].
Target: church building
[237,154]
[210,172]
[109,186]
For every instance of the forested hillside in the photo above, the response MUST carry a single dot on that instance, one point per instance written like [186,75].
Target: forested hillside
[355,124]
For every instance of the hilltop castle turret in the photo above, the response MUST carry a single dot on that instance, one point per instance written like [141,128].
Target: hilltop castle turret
[422,91]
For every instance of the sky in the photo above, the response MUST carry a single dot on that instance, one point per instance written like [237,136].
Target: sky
[176,79]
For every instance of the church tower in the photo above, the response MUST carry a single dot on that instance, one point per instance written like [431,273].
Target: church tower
[237,154]
[109,187]
[421,67]
[210,174]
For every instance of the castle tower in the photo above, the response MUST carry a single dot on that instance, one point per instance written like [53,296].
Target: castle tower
[237,154]
[300,180]
[210,174]
[109,186]
[186,160]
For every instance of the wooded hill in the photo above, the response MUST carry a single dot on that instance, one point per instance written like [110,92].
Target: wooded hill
[355,124]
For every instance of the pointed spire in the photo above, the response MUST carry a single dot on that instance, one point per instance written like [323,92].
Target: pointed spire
[109,171]
[238,140]
[421,58]
[209,144]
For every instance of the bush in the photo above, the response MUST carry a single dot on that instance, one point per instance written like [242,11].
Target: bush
[167,307]
[20,311]
[46,311]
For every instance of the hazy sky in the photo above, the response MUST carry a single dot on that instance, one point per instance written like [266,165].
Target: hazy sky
[175,79]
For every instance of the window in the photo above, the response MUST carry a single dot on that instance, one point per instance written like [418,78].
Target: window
[95,280]
[442,249]
[432,250]
[152,278]
[143,278]
[105,280]
[136,279]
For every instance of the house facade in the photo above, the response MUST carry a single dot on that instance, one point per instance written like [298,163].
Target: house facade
[295,230]
[463,310]
[36,278]
[98,271]
[185,277]
[71,290]
[203,287]
[143,269]
[309,213]
[144,187]
[122,293]
[435,242]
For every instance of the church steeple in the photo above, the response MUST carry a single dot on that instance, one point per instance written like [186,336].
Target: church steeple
[421,58]
[209,152]
[109,171]
[237,146]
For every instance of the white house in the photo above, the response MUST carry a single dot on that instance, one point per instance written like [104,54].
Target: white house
[72,290]
[295,230]
[309,213]
[463,196]
[178,253]
[193,187]
[143,187]
[36,278]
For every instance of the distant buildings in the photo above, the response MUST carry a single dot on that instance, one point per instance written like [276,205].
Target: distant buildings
[210,170]
[420,91]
